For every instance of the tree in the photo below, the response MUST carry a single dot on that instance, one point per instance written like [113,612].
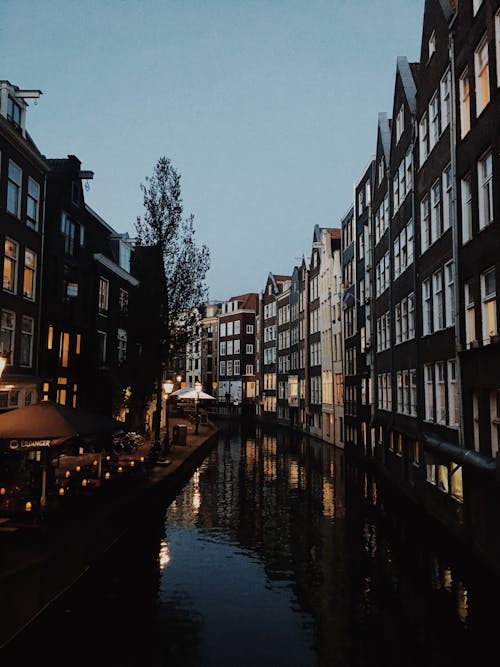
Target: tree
[185,264]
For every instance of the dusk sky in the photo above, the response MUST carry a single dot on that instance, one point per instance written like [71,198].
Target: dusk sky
[267,108]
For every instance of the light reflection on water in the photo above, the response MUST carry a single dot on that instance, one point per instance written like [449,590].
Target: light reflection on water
[274,553]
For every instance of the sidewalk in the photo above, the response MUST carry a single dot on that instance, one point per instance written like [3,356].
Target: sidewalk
[48,554]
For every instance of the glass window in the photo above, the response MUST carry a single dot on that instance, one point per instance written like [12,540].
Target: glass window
[29,280]
[481,71]
[26,350]
[103,295]
[10,265]
[14,189]
[489,305]
[7,333]
[485,190]
[464,104]
[466,208]
[122,345]
[33,203]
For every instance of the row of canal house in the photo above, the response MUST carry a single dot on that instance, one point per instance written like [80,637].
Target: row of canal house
[386,340]
[75,323]
[425,330]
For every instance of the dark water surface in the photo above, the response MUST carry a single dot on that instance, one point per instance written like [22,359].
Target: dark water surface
[274,553]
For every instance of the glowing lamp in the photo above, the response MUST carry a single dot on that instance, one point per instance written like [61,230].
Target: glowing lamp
[3,491]
[28,507]
[84,482]
[62,491]
[107,475]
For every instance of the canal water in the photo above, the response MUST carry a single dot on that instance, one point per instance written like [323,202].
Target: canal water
[276,552]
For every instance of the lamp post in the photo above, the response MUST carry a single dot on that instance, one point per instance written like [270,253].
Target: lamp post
[168,386]
[197,386]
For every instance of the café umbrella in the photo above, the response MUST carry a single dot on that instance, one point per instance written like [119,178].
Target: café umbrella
[190,392]
[47,424]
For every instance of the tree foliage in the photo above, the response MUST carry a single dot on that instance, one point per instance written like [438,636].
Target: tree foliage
[164,224]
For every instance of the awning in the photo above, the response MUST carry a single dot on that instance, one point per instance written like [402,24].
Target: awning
[467,457]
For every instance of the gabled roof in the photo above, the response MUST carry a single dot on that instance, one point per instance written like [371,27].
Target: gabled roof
[406,74]
[384,128]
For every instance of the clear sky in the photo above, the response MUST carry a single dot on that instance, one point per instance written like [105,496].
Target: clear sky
[267,108]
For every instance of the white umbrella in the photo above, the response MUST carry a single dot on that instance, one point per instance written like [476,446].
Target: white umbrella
[190,392]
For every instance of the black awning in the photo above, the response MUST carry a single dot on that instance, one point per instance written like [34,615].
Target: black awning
[466,457]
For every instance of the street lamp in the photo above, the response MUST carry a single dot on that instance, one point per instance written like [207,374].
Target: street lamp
[197,386]
[168,387]
[3,362]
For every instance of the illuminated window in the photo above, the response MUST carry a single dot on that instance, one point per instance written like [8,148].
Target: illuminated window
[50,337]
[75,392]
[470,318]
[64,349]
[481,71]
[29,280]
[45,391]
[10,266]
[485,190]
[78,343]
[489,305]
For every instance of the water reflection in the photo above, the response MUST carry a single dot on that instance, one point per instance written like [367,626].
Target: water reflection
[277,553]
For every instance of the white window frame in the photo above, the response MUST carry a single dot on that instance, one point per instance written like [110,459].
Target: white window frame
[482,75]
[464,85]
[27,333]
[485,189]
[14,261]
[470,315]
[466,200]
[33,198]
[249,328]
[5,314]
[449,294]
[14,184]
[437,301]
[434,129]
[31,270]
[103,295]
[489,306]
[445,92]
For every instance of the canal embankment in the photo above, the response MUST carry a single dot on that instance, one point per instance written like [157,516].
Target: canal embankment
[41,559]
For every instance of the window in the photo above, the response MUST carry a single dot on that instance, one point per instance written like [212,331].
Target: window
[449,295]
[29,275]
[103,295]
[7,332]
[229,367]
[435,211]
[445,100]
[13,112]
[453,416]
[470,321]
[423,139]
[14,189]
[64,349]
[466,208]
[222,350]
[380,171]
[229,347]
[489,305]
[122,345]
[229,328]
[431,46]
[249,369]
[33,203]
[123,301]
[447,198]
[68,230]
[249,328]
[433,122]
[249,348]
[429,392]
[222,329]
[10,265]
[437,290]
[425,223]
[440,393]
[485,190]
[464,104]
[236,346]
[427,307]
[495,421]
[237,326]
[101,347]
[400,123]
[403,249]
[26,349]
[481,72]
[236,366]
